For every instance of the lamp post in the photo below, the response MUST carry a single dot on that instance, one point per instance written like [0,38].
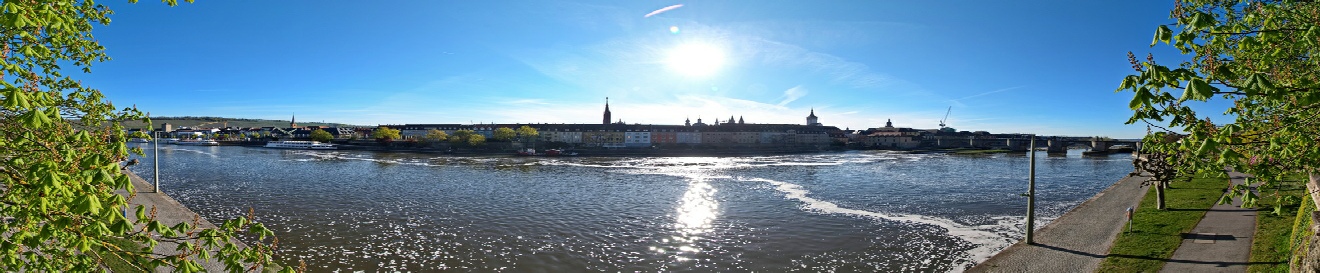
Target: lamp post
[1031,194]
[155,160]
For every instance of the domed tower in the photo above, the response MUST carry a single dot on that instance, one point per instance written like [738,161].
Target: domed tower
[811,119]
[606,120]
[687,122]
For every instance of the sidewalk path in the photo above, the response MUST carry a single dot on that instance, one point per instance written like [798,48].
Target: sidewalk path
[168,212]
[1078,240]
[1221,242]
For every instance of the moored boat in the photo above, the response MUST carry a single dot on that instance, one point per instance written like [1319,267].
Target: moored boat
[300,144]
[198,142]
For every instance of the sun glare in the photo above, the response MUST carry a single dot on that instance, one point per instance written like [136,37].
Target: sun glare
[695,59]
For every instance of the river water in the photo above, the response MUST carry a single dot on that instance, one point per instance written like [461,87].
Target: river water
[852,211]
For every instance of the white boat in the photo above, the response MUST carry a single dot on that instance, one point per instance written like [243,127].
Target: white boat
[300,144]
[138,140]
[198,142]
[169,140]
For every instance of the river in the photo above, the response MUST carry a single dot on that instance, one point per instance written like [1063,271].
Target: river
[850,211]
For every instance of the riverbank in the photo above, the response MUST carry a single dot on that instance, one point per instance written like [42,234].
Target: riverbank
[686,151]
[1077,241]
[169,212]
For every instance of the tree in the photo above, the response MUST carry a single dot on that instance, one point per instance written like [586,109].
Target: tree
[1160,166]
[61,143]
[461,136]
[1258,54]
[527,132]
[476,140]
[385,134]
[321,135]
[436,136]
[503,134]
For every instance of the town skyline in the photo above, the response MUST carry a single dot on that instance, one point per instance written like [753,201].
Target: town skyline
[1019,68]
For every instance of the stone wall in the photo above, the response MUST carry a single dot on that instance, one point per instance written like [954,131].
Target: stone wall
[1307,259]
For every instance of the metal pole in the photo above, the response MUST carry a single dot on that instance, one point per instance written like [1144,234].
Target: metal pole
[156,160]
[1031,195]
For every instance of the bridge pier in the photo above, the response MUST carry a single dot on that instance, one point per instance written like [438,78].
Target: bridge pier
[1056,146]
[1099,146]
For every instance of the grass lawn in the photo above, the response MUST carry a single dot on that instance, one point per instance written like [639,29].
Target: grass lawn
[1155,233]
[1272,243]
[119,264]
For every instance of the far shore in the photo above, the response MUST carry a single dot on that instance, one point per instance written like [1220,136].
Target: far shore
[505,148]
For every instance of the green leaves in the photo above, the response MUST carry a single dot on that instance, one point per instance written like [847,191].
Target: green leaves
[15,99]
[1197,89]
[1162,34]
[88,204]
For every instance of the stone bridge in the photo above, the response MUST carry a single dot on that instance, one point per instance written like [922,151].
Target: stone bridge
[1052,144]
[1061,144]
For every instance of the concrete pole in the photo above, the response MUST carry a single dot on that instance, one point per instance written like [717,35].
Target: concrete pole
[1031,195]
[155,161]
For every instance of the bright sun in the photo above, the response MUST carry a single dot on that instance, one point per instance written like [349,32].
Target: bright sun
[695,59]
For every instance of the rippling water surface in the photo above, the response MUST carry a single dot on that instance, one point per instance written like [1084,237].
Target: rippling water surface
[854,211]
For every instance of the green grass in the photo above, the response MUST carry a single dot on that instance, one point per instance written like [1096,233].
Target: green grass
[119,264]
[1271,245]
[1301,236]
[1155,233]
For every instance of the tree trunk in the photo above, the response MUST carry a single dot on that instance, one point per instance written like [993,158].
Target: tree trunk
[1159,195]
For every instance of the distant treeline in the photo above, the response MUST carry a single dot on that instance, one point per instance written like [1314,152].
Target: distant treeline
[211,118]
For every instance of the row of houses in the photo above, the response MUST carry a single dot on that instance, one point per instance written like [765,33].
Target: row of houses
[236,133]
[640,135]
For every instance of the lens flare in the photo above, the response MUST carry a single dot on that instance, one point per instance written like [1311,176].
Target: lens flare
[696,59]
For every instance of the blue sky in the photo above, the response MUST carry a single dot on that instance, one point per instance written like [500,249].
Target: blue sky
[1046,67]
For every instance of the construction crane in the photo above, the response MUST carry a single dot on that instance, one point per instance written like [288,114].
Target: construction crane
[946,117]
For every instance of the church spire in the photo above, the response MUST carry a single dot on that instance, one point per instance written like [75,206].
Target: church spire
[293,121]
[811,119]
[606,120]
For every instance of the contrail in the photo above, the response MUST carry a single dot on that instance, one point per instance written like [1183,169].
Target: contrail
[662,10]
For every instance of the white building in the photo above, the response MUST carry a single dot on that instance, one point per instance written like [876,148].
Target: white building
[637,139]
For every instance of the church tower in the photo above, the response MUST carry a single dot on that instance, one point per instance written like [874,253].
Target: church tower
[293,121]
[606,121]
[811,119]
[687,122]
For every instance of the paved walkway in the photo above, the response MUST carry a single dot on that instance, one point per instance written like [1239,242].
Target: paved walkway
[1221,242]
[1078,240]
[168,212]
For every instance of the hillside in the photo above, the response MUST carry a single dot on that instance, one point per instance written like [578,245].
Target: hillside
[221,122]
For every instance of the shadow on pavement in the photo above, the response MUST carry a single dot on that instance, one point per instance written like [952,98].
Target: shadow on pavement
[1093,255]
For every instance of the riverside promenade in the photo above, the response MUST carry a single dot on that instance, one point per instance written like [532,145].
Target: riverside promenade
[1076,242]
[1221,241]
[170,213]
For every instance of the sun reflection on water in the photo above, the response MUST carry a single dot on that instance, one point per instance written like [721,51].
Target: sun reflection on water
[697,211]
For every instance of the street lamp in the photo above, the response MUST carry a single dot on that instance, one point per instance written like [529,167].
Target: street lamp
[1031,194]
[155,157]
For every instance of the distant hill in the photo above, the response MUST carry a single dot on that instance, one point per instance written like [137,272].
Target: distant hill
[221,122]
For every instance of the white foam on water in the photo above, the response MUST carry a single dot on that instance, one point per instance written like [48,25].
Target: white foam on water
[987,241]
[213,155]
